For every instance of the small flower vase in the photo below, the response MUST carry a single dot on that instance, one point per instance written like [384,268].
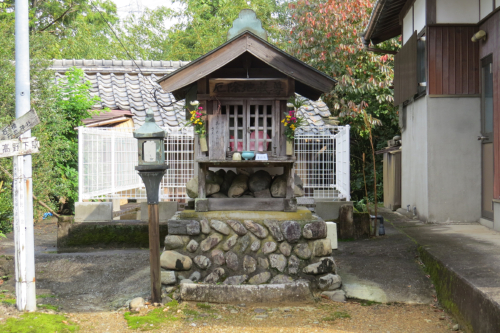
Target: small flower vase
[203,143]
[289,146]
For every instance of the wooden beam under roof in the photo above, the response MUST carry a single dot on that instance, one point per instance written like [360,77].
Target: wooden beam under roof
[259,48]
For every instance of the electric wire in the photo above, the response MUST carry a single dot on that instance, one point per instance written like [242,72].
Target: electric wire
[155,89]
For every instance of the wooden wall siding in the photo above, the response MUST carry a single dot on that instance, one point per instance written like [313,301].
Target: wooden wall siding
[405,71]
[453,61]
[492,46]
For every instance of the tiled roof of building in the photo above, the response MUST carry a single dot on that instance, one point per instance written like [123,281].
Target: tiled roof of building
[108,117]
[317,115]
[122,86]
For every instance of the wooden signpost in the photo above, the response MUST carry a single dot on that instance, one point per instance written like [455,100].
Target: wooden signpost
[19,126]
[17,147]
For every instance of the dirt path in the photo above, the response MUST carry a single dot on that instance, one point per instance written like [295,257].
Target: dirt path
[324,316]
[89,287]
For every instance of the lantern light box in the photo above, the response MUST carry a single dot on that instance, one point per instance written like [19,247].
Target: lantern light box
[151,148]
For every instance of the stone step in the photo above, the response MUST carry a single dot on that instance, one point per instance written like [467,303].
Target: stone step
[298,291]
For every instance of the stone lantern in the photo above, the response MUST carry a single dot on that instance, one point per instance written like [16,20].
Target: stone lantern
[151,150]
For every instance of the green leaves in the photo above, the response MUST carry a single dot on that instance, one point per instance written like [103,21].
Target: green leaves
[60,109]
[75,99]
[327,35]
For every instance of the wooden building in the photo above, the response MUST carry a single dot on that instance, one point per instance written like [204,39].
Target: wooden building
[243,86]
[447,87]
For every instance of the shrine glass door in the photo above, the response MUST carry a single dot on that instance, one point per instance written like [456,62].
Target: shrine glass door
[260,125]
[235,112]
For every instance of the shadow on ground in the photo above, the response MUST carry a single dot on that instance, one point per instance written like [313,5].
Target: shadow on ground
[385,269]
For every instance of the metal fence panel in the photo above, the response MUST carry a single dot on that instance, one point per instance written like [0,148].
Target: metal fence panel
[322,156]
[108,156]
[179,155]
[107,160]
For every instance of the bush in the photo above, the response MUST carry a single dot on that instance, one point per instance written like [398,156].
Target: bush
[6,209]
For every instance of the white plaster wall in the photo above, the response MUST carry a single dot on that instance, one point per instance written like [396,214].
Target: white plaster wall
[414,158]
[457,11]
[486,8]
[454,159]
[497,4]
[419,15]
[407,26]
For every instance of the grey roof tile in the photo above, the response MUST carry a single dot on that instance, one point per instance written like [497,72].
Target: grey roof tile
[122,86]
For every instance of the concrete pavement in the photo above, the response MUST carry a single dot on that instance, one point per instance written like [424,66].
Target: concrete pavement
[463,260]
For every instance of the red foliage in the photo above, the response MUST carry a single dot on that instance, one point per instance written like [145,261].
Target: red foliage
[328,36]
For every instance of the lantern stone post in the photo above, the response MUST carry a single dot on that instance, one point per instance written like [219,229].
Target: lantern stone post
[151,150]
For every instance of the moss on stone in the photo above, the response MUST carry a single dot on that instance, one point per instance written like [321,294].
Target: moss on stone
[120,235]
[302,214]
[443,280]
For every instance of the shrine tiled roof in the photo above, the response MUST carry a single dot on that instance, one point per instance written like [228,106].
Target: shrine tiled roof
[122,86]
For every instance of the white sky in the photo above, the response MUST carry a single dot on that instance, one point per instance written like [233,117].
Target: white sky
[125,7]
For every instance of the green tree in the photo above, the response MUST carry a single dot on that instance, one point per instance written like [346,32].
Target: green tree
[70,28]
[59,110]
[75,104]
[44,101]
[327,35]
[202,26]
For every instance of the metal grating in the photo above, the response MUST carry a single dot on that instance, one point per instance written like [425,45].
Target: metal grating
[107,160]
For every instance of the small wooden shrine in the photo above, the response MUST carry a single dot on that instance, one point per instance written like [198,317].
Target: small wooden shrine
[243,87]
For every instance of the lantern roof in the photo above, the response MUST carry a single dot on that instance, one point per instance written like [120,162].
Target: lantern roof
[149,129]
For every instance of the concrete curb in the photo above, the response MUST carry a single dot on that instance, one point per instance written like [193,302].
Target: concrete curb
[462,262]
[267,293]
[475,310]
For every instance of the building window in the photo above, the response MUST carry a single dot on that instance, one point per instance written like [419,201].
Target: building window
[487,99]
[421,72]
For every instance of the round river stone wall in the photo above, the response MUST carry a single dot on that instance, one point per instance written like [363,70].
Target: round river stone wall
[249,252]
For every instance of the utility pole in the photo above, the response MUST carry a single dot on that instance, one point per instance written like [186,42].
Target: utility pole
[23,184]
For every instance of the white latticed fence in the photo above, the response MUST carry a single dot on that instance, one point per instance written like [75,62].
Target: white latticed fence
[107,160]
[323,162]
[108,156]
